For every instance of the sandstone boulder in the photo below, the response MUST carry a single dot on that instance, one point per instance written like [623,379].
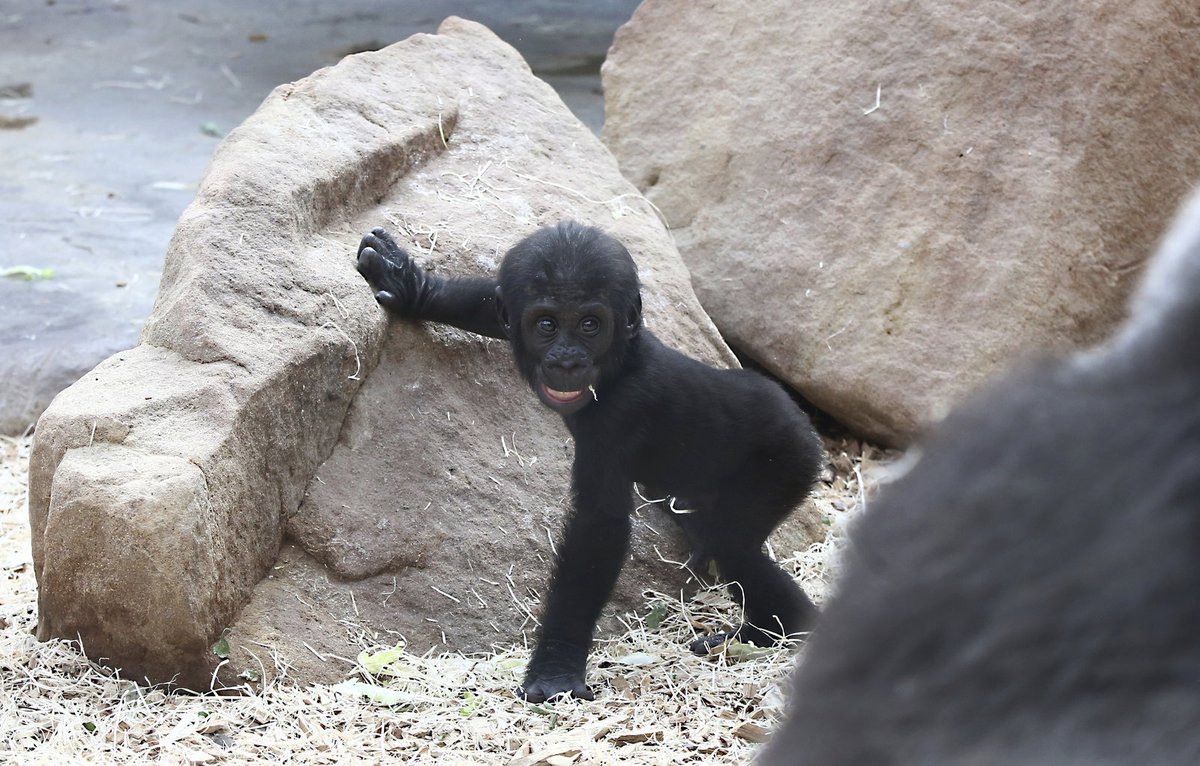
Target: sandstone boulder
[884,203]
[276,465]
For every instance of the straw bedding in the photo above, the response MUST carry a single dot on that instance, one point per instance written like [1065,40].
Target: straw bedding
[656,703]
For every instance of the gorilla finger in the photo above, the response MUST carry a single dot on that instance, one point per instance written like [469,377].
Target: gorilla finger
[367,258]
[385,298]
[582,692]
[374,244]
[368,242]
[532,694]
[371,265]
[385,239]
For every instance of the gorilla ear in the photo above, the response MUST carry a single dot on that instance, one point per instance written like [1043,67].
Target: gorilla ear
[502,312]
[633,323]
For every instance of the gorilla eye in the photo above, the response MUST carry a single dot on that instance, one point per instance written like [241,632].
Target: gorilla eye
[590,325]
[546,326]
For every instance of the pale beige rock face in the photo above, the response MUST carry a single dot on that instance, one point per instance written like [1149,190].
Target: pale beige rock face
[277,464]
[999,199]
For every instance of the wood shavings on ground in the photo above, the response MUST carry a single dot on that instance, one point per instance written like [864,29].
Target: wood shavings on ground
[656,702]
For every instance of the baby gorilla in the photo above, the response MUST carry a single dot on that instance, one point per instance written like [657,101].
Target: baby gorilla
[729,441]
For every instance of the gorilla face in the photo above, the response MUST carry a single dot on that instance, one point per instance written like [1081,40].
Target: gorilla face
[566,343]
[569,300]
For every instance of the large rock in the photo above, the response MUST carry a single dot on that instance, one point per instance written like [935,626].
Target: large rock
[885,257]
[164,483]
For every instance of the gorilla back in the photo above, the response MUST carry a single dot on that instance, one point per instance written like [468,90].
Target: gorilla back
[1030,591]
[728,445]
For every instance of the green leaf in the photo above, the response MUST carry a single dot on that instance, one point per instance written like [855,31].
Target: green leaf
[221,648]
[658,613]
[251,675]
[28,273]
[376,663]
[739,652]
[89,726]
[377,694]
[551,714]
[471,704]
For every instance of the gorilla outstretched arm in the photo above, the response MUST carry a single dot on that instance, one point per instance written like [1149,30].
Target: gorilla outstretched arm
[407,290]
[730,441]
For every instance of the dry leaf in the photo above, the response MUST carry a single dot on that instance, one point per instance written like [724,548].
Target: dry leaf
[752,732]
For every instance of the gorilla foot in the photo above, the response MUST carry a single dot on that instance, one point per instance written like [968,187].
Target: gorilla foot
[746,634]
[557,667]
[542,688]
[705,644]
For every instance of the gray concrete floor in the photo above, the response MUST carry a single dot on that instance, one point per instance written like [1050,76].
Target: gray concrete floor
[109,111]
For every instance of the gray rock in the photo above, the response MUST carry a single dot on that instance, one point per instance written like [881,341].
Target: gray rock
[884,258]
[269,396]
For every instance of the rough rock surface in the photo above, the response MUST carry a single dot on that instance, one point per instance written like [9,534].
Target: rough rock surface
[172,478]
[884,257]
[101,110]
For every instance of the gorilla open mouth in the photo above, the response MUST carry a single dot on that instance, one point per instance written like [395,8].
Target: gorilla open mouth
[563,397]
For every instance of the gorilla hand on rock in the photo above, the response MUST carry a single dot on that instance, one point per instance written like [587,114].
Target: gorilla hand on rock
[400,285]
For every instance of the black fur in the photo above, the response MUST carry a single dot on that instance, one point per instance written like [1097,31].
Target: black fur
[730,441]
[1030,592]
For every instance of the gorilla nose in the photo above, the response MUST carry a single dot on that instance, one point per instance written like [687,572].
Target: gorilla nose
[567,365]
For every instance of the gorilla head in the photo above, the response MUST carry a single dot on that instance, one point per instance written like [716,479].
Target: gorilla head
[569,299]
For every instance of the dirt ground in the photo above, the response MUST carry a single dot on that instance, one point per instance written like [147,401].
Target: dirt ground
[656,703]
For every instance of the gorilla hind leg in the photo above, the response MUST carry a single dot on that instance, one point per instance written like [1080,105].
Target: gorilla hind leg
[734,531]
[773,605]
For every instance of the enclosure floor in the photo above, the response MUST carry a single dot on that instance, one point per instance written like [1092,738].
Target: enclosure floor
[655,703]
